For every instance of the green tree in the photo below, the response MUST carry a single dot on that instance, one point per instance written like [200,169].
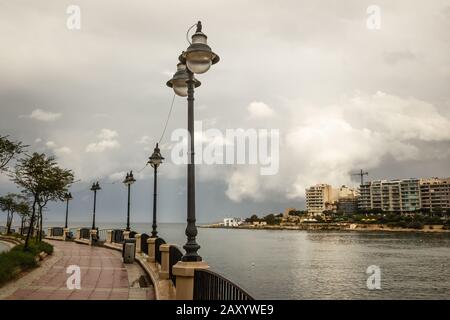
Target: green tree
[43,180]
[270,219]
[10,204]
[253,218]
[8,151]
[24,211]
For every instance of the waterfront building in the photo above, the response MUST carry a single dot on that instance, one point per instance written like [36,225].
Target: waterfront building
[259,223]
[435,194]
[232,222]
[402,196]
[324,198]
[410,195]
[365,196]
[347,205]
[347,200]
[318,198]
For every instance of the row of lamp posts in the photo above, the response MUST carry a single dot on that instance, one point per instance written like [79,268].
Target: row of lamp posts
[155,160]
[197,59]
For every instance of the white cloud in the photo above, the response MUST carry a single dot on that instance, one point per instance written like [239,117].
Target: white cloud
[107,141]
[244,184]
[323,144]
[50,144]
[144,140]
[107,134]
[42,115]
[260,110]
[117,176]
[102,146]
[57,150]
[63,150]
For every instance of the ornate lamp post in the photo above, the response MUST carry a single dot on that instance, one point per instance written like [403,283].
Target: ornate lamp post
[155,160]
[129,180]
[95,187]
[197,59]
[67,197]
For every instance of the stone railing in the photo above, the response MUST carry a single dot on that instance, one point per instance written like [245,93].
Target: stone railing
[57,233]
[172,278]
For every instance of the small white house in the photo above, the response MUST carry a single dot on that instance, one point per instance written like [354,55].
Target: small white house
[232,222]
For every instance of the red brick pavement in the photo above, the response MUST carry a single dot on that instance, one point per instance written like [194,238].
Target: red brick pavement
[103,275]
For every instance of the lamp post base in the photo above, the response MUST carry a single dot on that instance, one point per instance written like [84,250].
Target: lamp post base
[184,271]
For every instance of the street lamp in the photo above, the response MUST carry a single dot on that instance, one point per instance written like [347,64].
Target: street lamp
[67,197]
[197,59]
[95,187]
[155,160]
[129,180]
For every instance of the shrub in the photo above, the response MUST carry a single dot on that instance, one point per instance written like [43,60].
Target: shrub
[415,225]
[17,259]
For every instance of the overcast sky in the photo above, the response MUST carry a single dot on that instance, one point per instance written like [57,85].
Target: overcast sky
[344,97]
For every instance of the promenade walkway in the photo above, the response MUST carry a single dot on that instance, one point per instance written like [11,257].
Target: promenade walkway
[103,276]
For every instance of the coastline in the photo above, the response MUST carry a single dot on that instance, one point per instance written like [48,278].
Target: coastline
[334,227]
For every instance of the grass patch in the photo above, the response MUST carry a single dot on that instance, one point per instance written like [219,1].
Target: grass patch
[17,260]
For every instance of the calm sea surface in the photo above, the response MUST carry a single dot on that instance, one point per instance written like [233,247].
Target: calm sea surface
[322,265]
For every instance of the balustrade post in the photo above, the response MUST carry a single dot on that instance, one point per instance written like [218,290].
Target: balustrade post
[78,235]
[50,232]
[66,234]
[137,236]
[184,271]
[126,235]
[109,235]
[151,250]
[164,272]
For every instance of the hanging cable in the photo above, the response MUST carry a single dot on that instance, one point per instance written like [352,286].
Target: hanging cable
[139,171]
[187,33]
[167,120]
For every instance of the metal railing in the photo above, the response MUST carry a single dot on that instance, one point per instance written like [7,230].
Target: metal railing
[132,234]
[117,236]
[209,285]
[175,255]
[144,244]
[85,233]
[57,232]
[102,234]
[158,242]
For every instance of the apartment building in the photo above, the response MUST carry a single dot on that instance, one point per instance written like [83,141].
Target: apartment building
[435,194]
[347,200]
[405,195]
[319,198]
[323,197]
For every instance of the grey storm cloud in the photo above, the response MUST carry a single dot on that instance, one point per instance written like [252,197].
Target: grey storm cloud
[343,97]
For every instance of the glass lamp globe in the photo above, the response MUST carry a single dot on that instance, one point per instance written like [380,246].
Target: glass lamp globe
[178,82]
[199,56]
[199,61]
[156,158]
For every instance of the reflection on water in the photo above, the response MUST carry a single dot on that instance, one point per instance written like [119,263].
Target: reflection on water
[282,264]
